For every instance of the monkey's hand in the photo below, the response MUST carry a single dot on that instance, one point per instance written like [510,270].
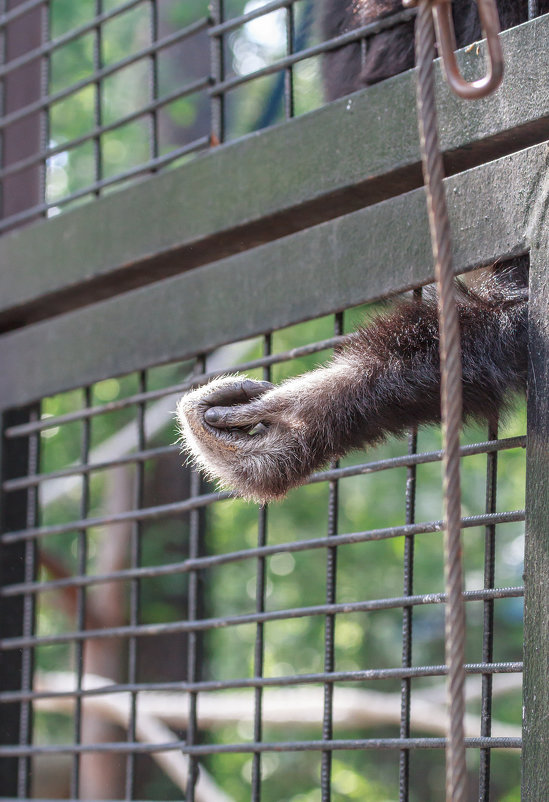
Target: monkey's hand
[253,437]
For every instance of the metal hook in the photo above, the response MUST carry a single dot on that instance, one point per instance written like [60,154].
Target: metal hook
[446,38]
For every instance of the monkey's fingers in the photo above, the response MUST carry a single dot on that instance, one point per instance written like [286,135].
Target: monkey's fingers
[238,392]
[234,417]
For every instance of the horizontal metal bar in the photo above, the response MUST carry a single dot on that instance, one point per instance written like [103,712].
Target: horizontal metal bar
[46,101]
[21,9]
[145,514]
[145,167]
[118,748]
[8,697]
[94,133]
[360,32]
[125,747]
[11,485]
[75,33]
[349,261]
[222,87]
[221,622]
[201,563]
[140,169]
[163,228]
[177,508]
[236,22]
[420,458]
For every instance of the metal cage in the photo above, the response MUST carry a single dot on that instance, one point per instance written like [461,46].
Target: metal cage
[255,653]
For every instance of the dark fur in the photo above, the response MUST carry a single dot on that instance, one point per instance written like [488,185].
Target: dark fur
[392,51]
[262,440]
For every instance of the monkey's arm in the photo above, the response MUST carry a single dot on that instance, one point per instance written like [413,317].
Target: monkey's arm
[261,440]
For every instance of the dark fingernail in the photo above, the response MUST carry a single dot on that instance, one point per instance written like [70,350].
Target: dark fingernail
[211,416]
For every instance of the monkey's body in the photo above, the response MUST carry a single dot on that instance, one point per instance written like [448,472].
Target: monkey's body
[261,440]
[392,51]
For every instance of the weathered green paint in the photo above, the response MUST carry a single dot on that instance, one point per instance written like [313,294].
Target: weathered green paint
[535,767]
[355,258]
[353,153]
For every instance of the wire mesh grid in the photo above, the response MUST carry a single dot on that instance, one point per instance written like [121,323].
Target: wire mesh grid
[208,648]
[97,94]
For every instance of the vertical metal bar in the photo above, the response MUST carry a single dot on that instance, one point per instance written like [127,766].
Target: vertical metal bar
[19,192]
[153,80]
[329,630]
[533,8]
[289,72]
[217,51]
[16,614]
[23,86]
[3,34]
[44,91]
[82,561]
[135,562]
[98,104]
[535,766]
[7,672]
[29,610]
[260,608]
[405,685]
[488,626]
[196,519]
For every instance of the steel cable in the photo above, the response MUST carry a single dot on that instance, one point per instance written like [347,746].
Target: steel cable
[451,401]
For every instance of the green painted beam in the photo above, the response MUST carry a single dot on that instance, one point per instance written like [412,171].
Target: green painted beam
[535,767]
[342,157]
